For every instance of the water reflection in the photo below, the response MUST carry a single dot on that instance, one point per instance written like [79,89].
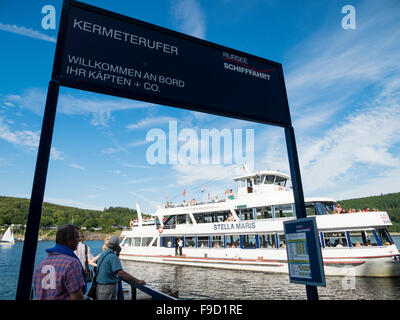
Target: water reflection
[218,284]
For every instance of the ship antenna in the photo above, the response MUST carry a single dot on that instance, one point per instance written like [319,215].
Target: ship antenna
[139,214]
[245,168]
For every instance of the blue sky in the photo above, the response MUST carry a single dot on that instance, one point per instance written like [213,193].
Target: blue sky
[342,84]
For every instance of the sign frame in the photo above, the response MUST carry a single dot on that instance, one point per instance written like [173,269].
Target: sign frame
[39,182]
[81,85]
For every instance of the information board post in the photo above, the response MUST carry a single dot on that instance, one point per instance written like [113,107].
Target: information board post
[36,203]
[312,291]
[304,254]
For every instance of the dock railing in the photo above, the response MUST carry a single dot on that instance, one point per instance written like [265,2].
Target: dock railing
[154,294]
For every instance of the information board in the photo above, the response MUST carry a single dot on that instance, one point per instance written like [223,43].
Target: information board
[101,51]
[304,252]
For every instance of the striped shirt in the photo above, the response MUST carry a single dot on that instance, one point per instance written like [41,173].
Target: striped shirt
[57,276]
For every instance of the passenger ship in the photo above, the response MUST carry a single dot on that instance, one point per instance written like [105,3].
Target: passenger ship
[245,232]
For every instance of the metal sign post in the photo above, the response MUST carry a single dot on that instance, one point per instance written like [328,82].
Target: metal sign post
[36,203]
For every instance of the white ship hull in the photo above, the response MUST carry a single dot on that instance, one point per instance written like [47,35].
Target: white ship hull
[246,233]
[363,262]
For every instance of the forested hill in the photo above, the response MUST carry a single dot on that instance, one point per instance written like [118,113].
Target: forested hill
[386,202]
[15,211]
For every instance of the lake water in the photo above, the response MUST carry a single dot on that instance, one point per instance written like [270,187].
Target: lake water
[214,284]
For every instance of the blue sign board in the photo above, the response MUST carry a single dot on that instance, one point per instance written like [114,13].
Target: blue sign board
[304,252]
[101,51]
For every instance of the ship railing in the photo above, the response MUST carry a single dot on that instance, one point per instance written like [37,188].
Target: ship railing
[154,294]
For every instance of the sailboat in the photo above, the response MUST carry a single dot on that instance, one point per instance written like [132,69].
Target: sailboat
[8,237]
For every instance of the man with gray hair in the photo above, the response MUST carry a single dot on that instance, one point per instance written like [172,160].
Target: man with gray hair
[109,268]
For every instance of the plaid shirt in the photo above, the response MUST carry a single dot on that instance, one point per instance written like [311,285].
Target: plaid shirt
[57,276]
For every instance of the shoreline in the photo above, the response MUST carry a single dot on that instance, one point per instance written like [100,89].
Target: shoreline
[99,236]
[87,235]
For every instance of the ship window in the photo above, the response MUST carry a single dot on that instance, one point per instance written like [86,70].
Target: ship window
[385,237]
[246,214]
[335,239]
[217,242]
[202,242]
[146,241]
[249,186]
[222,216]
[323,208]
[280,181]
[155,243]
[135,242]
[370,238]
[283,211]
[190,242]
[127,242]
[167,242]
[264,212]
[269,179]
[205,217]
[258,180]
[183,219]
[169,222]
[282,241]
[249,241]
[267,240]
[199,217]
[232,241]
[310,210]
[363,238]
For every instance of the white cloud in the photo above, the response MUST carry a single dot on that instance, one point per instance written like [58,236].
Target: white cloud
[28,32]
[144,180]
[365,138]
[337,69]
[149,122]
[99,108]
[146,205]
[77,166]
[130,165]
[137,143]
[189,174]
[56,154]
[25,138]
[113,150]
[344,96]
[190,16]
[94,196]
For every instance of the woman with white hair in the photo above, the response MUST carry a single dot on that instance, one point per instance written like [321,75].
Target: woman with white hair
[109,269]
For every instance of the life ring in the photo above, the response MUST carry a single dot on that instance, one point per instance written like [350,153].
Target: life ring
[160,229]
[131,223]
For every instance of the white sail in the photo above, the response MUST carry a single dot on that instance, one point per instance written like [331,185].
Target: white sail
[8,236]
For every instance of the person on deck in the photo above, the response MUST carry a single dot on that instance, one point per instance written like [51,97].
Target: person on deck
[83,252]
